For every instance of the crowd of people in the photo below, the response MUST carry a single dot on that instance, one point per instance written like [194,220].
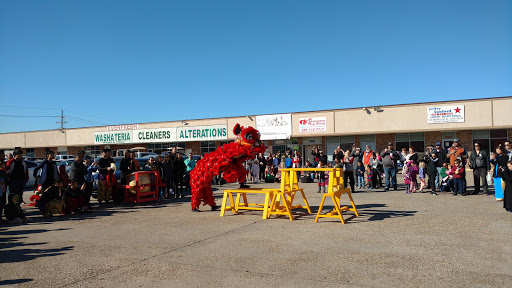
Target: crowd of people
[73,191]
[439,170]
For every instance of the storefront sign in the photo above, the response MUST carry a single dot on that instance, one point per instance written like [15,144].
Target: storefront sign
[274,127]
[123,127]
[313,124]
[445,114]
[117,137]
[163,135]
[202,133]
[154,135]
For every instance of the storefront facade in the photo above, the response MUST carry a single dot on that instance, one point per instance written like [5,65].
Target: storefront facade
[486,120]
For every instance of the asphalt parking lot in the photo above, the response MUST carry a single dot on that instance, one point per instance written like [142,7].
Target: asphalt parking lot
[399,240]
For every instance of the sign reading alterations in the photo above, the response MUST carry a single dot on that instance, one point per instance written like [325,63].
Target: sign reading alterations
[445,114]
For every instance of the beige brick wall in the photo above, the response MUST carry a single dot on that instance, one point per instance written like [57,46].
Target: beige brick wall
[466,139]
[431,138]
[382,140]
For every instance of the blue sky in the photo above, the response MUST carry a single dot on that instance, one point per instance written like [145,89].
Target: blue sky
[122,62]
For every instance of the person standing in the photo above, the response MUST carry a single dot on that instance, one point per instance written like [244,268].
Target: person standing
[178,170]
[49,171]
[18,175]
[458,152]
[441,155]
[167,176]
[190,164]
[479,162]
[431,163]
[367,155]
[508,148]
[499,160]
[262,161]
[507,177]
[126,166]
[79,171]
[91,167]
[105,177]
[389,157]
[348,171]
[358,156]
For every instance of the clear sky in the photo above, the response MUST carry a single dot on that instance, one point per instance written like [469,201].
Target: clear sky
[123,62]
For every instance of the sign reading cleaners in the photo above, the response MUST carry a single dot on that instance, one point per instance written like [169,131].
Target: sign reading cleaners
[446,114]
[313,124]
[163,135]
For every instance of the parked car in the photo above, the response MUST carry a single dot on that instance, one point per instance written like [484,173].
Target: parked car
[64,157]
[32,181]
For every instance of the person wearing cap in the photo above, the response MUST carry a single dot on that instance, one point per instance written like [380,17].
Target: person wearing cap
[105,174]
[458,152]
[389,157]
[18,175]
[78,170]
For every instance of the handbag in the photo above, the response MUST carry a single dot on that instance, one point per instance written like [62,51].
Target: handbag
[490,180]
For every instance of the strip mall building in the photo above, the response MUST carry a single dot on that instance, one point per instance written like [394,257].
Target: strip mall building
[486,120]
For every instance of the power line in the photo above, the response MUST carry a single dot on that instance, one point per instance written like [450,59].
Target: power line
[31,116]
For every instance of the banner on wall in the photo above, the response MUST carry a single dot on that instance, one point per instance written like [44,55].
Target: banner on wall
[313,124]
[163,135]
[274,127]
[445,114]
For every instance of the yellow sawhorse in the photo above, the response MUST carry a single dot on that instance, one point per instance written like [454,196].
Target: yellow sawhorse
[289,187]
[242,193]
[335,190]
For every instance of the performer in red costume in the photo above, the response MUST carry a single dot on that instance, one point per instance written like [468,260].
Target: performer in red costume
[228,158]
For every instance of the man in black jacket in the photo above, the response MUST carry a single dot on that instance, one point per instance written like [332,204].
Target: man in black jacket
[178,170]
[167,170]
[431,165]
[49,171]
[78,170]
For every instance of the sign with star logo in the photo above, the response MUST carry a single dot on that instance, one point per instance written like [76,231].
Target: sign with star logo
[445,114]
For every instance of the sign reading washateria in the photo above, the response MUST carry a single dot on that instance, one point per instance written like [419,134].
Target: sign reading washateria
[313,124]
[162,135]
[445,114]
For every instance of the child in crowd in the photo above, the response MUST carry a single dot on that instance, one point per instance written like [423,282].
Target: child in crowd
[407,177]
[414,171]
[458,171]
[360,174]
[444,178]
[421,173]
[74,198]
[321,177]
[255,170]
[63,175]
[13,211]
[369,176]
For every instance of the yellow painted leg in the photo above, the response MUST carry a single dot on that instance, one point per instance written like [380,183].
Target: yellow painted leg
[223,207]
[272,205]
[337,208]
[232,202]
[353,204]
[320,208]
[245,200]
[265,207]
[287,205]
[305,201]
[237,202]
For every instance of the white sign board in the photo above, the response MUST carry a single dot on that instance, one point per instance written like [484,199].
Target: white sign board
[273,127]
[154,135]
[313,124]
[445,114]
[113,137]
[163,135]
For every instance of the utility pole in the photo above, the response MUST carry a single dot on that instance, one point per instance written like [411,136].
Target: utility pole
[61,122]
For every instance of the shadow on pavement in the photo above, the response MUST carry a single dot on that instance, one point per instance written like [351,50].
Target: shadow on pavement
[14,281]
[12,239]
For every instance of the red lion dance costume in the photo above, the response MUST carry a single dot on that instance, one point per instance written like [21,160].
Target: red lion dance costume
[228,158]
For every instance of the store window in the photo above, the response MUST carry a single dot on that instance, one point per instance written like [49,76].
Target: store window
[406,140]
[345,142]
[93,151]
[489,139]
[207,146]
[29,152]
[160,148]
